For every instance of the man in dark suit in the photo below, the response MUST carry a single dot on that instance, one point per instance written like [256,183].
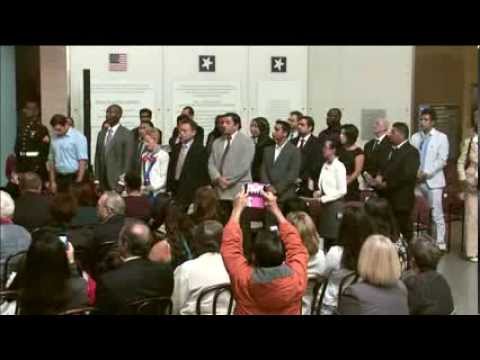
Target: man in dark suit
[31,208]
[139,146]
[312,158]
[145,116]
[137,278]
[188,166]
[398,182]
[377,150]
[281,164]
[334,117]
[175,139]
[113,154]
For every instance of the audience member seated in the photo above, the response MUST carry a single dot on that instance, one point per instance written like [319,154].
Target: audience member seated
[316,258]
[11,187]
[342,259]
[207,269]
[49,280]
[14,238]
[136,204]
[381,215]
[137,278]
[380,291]
[178,228]
[276,282]
[428,291]
[86,197]
[31,208]
[206,206]
[111,211]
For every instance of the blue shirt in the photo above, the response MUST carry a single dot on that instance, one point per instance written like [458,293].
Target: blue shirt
[424,148]
[66,151]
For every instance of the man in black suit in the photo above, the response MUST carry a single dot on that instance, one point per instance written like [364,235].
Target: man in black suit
[281,164]
[377,150]
[312,159]
[137,278]
[114,150]
[139,146]
[31,208]
[398,182]
[145,116]
[175,139]
[188,166]
[334,117]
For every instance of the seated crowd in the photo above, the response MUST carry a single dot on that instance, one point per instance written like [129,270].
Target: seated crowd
[179,231]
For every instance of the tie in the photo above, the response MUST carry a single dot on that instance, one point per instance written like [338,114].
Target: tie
[392,153]
[109,136]
[180,162]
[302,142]
[375,144]
[225,152]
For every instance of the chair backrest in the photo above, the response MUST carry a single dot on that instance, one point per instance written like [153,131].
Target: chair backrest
[78,311]
[10,261]
[319,288]
[217,290]
[152,306]
[347,280]
[10,295]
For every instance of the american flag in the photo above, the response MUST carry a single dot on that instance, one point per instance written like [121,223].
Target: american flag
[117,62]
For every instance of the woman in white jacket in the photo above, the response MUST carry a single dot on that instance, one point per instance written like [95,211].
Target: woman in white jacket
[154,165]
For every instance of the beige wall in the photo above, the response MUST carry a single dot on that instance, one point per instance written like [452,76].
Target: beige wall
[445,74]
[53,80]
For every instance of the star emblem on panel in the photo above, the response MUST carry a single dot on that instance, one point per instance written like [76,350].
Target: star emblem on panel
[206,63]
[279,64]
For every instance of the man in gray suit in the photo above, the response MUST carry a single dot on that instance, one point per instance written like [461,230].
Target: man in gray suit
[281,164]
[230,160]
[114,151]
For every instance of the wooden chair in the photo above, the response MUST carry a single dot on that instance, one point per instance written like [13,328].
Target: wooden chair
[152,306]
[78,311]
[217,290]
[8,263]
[10,295]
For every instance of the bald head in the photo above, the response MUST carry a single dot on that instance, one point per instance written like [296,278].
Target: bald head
[135,239]
[381,126]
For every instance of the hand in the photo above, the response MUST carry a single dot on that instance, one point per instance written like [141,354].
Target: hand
[46,139]
[461,196]
[311,184]
[223,182]
[270,201]
[317,194]
[271,189]
[70,253]
[241,200]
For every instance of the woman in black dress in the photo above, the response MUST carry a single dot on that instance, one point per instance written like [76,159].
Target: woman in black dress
[353,158]
[260,131]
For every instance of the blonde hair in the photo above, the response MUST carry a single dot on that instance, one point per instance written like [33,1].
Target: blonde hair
[307,229]
[153,133]
[378,263]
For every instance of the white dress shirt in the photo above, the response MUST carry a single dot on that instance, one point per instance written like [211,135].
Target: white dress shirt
[191,277]
[231,140]
[332,181]
[305,139]
[114,130]
[278,150]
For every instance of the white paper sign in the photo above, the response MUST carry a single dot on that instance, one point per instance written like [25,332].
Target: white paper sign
[208,99]
[276,99]
[130,96]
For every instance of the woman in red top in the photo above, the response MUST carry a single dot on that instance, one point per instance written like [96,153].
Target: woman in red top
[276,282]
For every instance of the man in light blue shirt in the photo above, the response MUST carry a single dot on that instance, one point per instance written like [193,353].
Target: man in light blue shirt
[68,156]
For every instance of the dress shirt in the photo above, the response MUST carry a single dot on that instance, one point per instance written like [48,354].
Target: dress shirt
[424,147]
[232,138]
[332,181]
[278,150]
[66,151]
[305,139]
[114,130]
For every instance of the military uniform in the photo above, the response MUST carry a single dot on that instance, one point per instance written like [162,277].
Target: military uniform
[31,150]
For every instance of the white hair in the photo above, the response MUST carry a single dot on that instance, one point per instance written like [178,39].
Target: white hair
[114,202]
[7,205]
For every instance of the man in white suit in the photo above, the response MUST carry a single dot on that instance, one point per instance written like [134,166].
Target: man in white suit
[433,147]
[230,161]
